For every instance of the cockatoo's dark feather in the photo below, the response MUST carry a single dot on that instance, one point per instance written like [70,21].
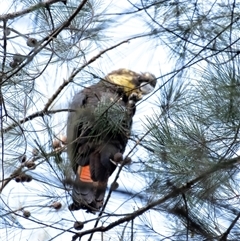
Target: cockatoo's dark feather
[99,125]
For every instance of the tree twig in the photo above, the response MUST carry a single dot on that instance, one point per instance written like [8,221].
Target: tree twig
[32,116]
[32,8]
[224,236]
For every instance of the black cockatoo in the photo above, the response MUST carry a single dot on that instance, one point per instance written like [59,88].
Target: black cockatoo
[98,129]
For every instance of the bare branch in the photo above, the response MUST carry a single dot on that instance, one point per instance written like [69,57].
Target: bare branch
[32,8]
[32,116]
[224,236]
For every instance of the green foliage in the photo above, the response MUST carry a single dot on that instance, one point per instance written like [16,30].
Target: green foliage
[191,142]
[110,118]
[195,135]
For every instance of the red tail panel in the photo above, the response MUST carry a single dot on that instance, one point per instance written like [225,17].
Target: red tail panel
[84,174]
